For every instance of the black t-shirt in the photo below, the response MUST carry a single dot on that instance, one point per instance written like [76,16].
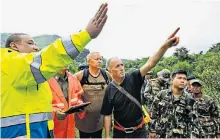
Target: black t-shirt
[126,112]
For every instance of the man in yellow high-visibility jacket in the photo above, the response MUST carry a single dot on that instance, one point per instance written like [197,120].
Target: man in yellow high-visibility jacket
[26,101]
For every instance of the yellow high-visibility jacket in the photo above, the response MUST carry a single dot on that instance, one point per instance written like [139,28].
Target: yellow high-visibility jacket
[26,99]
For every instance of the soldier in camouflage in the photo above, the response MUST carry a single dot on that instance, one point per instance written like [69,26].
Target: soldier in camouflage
[161,82]
[148,75]
[171,109]
[206,123]
[188,87]
[146,86]
[155,85]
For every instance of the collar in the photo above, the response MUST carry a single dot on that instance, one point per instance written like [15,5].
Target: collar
[120,82]
[171,93]
[62,78]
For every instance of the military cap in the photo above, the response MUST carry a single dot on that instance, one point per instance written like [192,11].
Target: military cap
[196,81]
[165,73]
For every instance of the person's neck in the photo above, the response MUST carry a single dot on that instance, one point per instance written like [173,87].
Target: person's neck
[119,80]
[177,92]
[94,71]
[197,95]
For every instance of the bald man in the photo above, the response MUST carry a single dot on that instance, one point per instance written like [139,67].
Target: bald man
[128,117]
[94,81]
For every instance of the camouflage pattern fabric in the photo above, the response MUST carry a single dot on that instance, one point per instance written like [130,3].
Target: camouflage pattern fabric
[171,115]
[206,123]
[157,86]
[152,88]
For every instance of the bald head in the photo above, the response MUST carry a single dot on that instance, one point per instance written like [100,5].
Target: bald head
[94,60]
[16,37]
[116,68]
[110,62]
[21,42]
[92,55]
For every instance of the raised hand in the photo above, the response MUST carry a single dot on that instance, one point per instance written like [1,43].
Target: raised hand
[172,39]
[174,33]
[98,21]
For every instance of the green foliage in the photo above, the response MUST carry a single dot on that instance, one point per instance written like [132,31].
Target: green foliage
[73,68]
[183,65]
[182,54]
[215,48]
[208,69]
[4,36]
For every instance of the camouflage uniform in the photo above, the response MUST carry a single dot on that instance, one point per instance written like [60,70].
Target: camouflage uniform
[145,91]
[157,86]
[171,115]
[207,121]
[152,88]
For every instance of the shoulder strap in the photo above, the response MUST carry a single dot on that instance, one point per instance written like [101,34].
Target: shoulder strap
[121,89]
[85,77]
[103,72]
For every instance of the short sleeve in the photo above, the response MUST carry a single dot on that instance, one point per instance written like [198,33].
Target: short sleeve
[107,105]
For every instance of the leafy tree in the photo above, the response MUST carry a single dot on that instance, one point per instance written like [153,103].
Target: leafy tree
[181,53]
[215,48]
[73,68]
[204,65]
[208,69]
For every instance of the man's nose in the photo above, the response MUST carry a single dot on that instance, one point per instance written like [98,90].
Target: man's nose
[121,68]
[36,48]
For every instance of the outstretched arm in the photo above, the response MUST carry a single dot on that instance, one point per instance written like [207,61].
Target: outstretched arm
[171,41]
[46,63]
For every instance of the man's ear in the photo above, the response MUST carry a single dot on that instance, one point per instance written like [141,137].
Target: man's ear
[89,60]
[13,46]
[171,80]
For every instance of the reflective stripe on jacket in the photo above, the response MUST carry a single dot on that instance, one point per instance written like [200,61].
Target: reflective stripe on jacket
[65,128]
[24,90]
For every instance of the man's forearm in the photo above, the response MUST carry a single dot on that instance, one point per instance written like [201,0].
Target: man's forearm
[153,60]
[107,125]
